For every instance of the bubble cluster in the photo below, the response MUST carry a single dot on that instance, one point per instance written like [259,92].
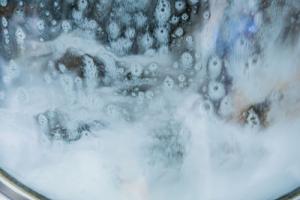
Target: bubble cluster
[156,70]
[57,125]
[121,25]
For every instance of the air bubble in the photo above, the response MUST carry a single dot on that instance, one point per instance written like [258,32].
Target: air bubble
[205,107]
[187,60]
[136,69]
[162,11]
[214,67]
[55,4]
[20,35]
[179,32]
[146,41]
[47,13]
[184,16]
[4,22]
[40,25]
[149,94]
[206,15]
[53,22]
[6,36]
[153,67]
[216,90]
[169,82]
[174,20]
[226,107]
[180,5]
[77,15]
[162,35]
[198,66]
[82,4]
[3,3]
[189,42]
[66,26]
[181,78]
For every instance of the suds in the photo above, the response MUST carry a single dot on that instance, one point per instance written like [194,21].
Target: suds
[138,113]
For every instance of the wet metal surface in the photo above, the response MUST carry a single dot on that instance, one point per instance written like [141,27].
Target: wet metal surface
[12,189]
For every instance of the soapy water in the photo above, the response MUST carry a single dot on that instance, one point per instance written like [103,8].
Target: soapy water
[143,100]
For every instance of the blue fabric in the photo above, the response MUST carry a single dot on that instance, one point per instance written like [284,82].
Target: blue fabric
[225,43]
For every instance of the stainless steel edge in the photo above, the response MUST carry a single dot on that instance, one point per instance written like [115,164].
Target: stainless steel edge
[13,189]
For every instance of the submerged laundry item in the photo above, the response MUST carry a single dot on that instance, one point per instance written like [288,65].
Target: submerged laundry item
[151,100]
